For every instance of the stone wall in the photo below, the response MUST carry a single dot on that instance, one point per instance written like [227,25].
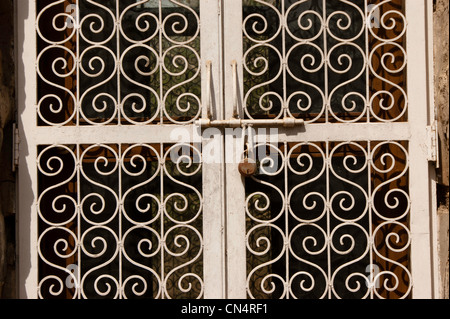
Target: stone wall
[441,49]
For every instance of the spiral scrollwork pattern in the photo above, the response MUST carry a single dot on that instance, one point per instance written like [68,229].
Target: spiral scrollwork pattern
[118,62]
[324,61]
[120,221]
[332,222]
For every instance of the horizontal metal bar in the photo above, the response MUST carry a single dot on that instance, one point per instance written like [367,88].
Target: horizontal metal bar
[110,134]
[314,132]
[286,122]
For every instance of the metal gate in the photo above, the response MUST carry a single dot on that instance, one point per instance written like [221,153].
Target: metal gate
[186,149]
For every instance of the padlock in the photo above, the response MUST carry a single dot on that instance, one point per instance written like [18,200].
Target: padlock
[247,167]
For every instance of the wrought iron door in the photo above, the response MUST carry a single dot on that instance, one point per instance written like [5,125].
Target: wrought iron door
[330,211]
[137,113]
[119,204]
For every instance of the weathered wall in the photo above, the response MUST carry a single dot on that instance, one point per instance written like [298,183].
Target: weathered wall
[7,185]
[441,64]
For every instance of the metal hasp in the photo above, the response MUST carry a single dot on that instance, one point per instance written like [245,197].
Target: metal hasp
[234,122]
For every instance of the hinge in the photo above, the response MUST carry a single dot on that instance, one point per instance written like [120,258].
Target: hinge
[432,141]
[15,151]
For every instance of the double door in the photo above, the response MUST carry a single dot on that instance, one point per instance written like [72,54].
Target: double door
[223,149]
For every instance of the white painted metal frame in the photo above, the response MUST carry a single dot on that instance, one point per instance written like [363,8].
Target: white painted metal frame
[232,271]
[423,208]
[32,136]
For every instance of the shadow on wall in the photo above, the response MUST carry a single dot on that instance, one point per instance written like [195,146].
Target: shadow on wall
[23,9]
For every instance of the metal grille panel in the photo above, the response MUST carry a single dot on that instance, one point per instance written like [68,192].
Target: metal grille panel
[325,61]
[118,62]
[120,221]
[331,221]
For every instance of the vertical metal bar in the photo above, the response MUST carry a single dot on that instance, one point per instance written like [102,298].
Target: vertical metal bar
[213,223]
[367,51]
[162,215]
[120,213]
[284,62]
[27,263]
[214,266]
[79,288]
[328,239]
[220,114]
[119,151]
[234,187]
[286,214]
[77,45]
[429,25]
[118,60]
[370,211]
[325,54]
[161,86]
[367,25]
[421,213]
[223,177]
